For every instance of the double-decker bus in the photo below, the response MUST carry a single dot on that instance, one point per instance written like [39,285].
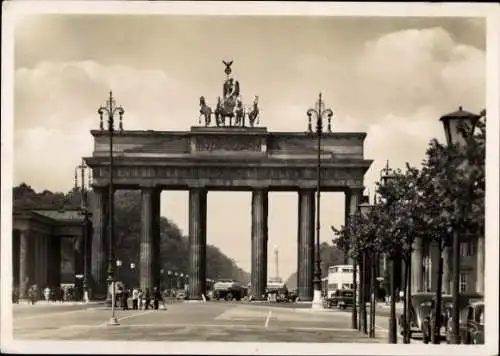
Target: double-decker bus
[339,277]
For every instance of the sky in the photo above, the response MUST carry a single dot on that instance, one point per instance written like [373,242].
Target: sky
[389,77]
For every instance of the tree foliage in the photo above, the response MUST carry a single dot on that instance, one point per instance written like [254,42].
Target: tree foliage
[173,244]
[430,202]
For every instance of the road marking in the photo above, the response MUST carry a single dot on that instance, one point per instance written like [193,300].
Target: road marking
[268,318]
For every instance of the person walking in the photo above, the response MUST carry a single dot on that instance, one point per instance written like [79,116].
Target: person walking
[147,298]
[46,294]
[157,297]
[124,299]
[140,299]
[135,296]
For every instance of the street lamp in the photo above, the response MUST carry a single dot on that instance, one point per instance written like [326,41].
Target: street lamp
[110,109]
[182,280]
[176,281]
[169,281]
[132,267]
[365,209]
[320,113]
[118,265]
[161,278]
[387,175]
[86,223]
[458,128]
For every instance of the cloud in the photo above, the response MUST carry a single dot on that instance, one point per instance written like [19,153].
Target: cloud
[401,72]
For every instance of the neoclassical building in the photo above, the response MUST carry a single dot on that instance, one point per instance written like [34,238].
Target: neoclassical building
[39,238]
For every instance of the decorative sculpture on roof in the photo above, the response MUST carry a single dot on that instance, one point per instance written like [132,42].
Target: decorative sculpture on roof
[230,111]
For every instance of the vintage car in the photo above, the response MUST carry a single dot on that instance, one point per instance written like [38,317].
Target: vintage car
[341,298]
[422,312]
[180,294]
[228,289]
[471,324]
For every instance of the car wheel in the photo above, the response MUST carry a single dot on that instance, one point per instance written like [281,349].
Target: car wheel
[229,296]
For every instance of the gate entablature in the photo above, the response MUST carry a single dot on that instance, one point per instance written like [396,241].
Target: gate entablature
[229,158]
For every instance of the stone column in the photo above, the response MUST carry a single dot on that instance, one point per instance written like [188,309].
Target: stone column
[259,243]
[149,246]
[197,242]
[480,265]
[155,209]
[347,213]
[434,255]
[353,198]
[447,270]
[24,265]
[15,258]
[40,260]
[305,262]
[99,243]
[416,266]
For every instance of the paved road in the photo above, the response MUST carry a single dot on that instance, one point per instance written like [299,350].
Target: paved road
[189,322]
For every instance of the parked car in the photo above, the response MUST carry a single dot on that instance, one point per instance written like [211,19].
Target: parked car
[471,324]
[341,298]
[180,294]
[422,312]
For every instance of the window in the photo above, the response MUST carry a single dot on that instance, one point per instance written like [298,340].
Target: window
[464,279]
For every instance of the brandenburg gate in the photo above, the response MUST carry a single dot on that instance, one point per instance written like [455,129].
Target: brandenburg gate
[229,156]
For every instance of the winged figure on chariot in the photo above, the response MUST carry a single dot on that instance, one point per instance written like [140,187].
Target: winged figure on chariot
[230,105]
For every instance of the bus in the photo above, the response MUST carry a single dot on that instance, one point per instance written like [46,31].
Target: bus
[339,277]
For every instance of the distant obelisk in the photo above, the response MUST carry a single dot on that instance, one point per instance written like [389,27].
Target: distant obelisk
[277,273]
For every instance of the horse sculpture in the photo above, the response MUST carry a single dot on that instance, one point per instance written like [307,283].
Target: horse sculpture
[219,113]
[254,112]
[239,114]
[205,111]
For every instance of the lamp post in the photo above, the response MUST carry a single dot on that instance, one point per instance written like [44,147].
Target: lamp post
[458,128]
[110,109]
[86,231]
[386,175]
[118,265]
[169,282]
[365,210]
[320,113]
[132,267]
[176,281]
[161,278]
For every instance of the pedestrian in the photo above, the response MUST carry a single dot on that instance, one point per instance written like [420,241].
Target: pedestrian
[124,299]
[33,293]
[157,297]
[147,298]
[140,299]
[135,296]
